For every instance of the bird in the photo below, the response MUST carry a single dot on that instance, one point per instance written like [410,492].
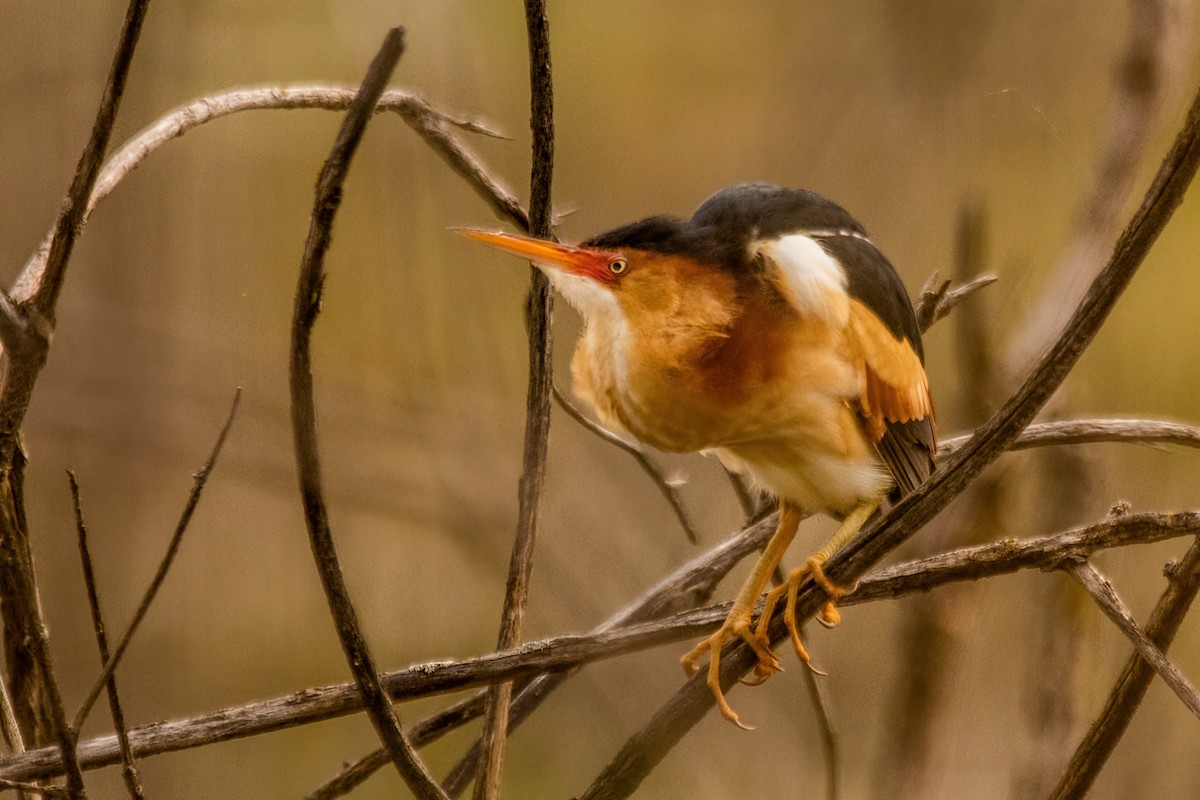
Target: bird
[769,330]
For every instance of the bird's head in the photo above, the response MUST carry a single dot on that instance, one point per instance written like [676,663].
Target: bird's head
[589,278]
[659,267]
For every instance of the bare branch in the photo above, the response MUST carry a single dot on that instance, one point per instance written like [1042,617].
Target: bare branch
[129,769]
[304,422]
[42,290]
[540,319]
[569,651]
[198,482]
[1110,603]
[818,695]
[1102,738]
[24,627]
[21,786]
[1091,431]
[936,299]
[647,747]
[432,125]
[669,492]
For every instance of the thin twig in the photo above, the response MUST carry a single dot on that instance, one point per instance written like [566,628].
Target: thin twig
[129,768]
[697,580]
[1110,603]
[185,518]
[8,719]
[21,786]
[43,293]
[819,697]
[665,486]
[540,319]
[643,751]
[1102,737]
[1090,431]
[936,299]
[565,652]
[24,624]
[431,124]
[304,421]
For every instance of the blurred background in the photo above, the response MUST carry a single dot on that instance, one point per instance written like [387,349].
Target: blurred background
[181,290]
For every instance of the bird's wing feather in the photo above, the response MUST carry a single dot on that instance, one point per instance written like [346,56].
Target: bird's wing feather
[894,399]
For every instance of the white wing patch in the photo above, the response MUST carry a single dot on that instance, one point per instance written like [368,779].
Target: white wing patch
[811,279]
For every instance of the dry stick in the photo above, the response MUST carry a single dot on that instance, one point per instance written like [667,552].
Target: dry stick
[690,585]
[818,695]
[540,306]
[1089,431]
[431,124]
[12,732]
[199,479]
[129,769]
[42,293]
[304,421]
[1093,752]
[665,486]
[566,652]
[693,584]
[21,786]
[1110,603]
[25,355]
[422,733]
[936,299]
[650,745]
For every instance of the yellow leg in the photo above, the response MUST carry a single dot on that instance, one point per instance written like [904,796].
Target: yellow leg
[737,622]
[813,568]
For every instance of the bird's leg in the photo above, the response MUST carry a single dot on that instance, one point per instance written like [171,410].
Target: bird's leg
[813,568]
[737,622]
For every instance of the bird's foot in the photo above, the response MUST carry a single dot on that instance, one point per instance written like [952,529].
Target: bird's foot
[827,616]
[735,625]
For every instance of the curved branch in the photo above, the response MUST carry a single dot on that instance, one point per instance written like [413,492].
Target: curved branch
[304,423]
[431,124]
[1091,431]
[565,652]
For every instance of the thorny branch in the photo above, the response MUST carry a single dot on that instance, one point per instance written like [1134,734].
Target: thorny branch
[569,651]
[304,423]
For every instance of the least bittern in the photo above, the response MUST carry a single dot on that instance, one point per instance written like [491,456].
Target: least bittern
[767,329]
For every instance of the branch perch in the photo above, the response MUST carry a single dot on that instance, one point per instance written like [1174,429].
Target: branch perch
[564,652]
[647,747]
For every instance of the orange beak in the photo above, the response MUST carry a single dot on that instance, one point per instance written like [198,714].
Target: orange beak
[567,258]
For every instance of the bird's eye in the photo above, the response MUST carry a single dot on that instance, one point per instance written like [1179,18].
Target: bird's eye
[617,266]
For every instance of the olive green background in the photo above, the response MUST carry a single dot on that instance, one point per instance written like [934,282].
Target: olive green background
[181,290]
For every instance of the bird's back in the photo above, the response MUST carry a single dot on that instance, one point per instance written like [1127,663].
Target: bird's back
[749,213]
